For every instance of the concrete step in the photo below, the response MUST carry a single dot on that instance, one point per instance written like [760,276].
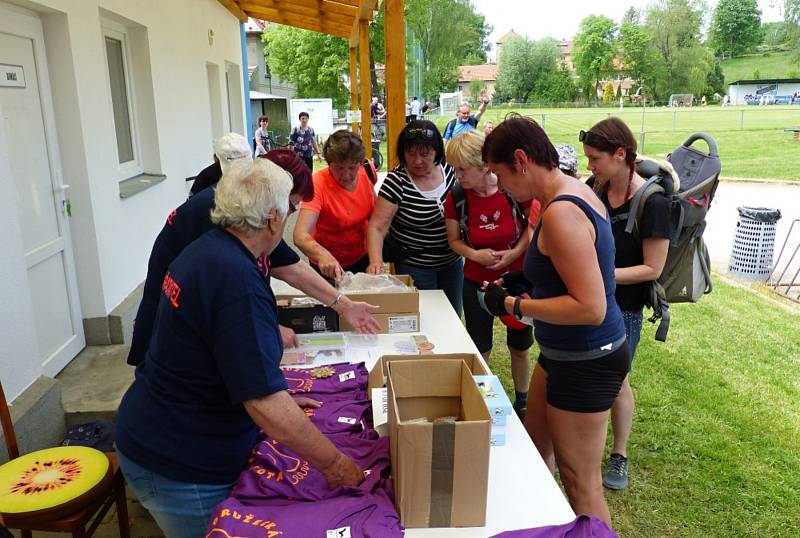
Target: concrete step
[94,382]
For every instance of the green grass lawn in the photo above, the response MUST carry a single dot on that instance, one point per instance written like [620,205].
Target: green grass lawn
[761,150]
[769,65]
[715,449]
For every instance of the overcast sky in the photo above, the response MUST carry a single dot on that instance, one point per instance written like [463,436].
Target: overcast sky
[560,18]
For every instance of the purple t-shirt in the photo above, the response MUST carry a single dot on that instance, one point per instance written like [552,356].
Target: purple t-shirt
[276,472]
[342,416]
[581,527]
[362,516]
[346,379]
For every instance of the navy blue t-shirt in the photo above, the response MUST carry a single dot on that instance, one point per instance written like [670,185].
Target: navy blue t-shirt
[215,345]
[185,224]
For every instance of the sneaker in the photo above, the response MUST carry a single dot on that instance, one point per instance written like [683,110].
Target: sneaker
[616,475]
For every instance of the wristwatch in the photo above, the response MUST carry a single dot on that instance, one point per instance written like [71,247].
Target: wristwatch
[517,311]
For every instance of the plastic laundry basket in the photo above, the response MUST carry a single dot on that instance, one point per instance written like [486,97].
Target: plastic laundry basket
[754,243]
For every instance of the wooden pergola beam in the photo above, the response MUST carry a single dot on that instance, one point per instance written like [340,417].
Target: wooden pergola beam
[323,10]
[366,10]
[395,42]
[354,85]
[366,119]
[306,23]
[234,8]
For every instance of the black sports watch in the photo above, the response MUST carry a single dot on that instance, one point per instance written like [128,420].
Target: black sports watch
[517,311]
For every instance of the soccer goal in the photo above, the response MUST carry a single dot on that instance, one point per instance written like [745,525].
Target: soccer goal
[681,99]
[449,103]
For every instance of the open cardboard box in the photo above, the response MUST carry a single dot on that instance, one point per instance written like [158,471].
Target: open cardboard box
[396,312]
[440,469]
[377,376]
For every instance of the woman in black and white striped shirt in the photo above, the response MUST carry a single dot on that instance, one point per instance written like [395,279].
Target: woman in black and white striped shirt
[409,214]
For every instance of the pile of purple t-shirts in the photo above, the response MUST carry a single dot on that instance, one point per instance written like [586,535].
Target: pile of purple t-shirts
[581,527]
[281,495]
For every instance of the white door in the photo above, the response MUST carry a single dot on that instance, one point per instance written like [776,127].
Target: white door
[40,197]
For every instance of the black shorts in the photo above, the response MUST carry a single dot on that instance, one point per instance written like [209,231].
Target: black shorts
[588,386]
[480,323]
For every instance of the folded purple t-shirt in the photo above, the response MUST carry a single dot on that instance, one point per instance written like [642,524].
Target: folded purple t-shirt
[363,516]
[276,472]
[345,379]
[341,416]
[581,527]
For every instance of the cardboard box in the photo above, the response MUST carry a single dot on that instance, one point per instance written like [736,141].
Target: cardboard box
[390,323]
[440,468]
[392,303]
[495,397]
[307,318]
[377,376]
[396,312]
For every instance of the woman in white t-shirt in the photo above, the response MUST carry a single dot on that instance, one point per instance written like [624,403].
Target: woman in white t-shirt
[263,141]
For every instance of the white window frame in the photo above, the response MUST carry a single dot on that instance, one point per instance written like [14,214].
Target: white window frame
[119,32]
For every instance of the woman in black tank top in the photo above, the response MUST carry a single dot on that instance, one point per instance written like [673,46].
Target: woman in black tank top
[572,310]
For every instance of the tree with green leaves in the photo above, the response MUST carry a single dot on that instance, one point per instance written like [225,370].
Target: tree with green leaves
[450,33]
[636,51]
[556,87]
[736,27]
[594,51]
[683,60]
[315,63]
[525,66]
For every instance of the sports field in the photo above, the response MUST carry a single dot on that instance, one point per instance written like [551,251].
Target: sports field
[752,142]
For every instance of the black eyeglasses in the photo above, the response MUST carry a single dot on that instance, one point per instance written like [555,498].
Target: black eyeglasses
[594,139]
[428,134]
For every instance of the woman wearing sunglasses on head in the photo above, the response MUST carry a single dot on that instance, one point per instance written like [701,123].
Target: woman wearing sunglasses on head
[610,148]
[570,264]
[407,226]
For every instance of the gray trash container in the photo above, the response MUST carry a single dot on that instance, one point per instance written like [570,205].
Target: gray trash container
[754,243]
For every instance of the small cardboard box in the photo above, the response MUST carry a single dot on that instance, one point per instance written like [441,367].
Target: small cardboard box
[392,303]
[496,399]
[377,376]
[307,318]
[440,468]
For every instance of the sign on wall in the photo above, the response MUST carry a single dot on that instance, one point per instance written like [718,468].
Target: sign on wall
[320,114]
[12,76]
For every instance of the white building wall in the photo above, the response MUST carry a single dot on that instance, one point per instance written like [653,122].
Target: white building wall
[738,91]
[112,237]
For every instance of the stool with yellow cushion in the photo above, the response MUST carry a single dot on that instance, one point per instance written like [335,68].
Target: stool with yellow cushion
[58,489]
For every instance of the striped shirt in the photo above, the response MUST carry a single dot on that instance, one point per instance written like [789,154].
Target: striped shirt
[419,222]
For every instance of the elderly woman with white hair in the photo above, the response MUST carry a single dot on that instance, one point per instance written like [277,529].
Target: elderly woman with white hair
[189,421]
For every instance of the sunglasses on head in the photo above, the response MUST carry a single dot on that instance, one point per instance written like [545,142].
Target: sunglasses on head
[427,134]
[594,139]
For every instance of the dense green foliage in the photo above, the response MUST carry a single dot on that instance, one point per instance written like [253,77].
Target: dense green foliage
[736,27]
[530,70]
[593,52]
[316,63]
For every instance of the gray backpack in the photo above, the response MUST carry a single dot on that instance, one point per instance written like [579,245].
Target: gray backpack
[686,276]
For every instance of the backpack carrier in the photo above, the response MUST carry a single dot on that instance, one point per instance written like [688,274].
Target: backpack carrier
[690,187]
[460,203]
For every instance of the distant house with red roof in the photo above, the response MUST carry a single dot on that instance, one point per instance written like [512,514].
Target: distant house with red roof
[486,74]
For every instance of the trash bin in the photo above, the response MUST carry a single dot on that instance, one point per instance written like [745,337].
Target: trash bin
[754,243]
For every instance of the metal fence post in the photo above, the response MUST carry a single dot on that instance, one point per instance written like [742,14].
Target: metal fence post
[741,120]
[544,118]
[674,119]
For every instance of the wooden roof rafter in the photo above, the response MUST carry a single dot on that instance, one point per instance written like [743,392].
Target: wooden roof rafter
[335,17]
